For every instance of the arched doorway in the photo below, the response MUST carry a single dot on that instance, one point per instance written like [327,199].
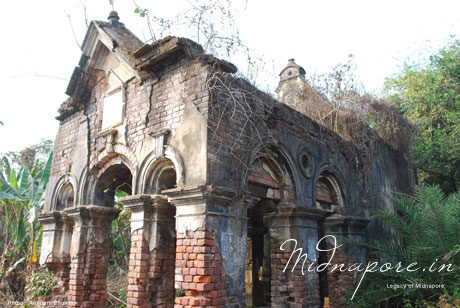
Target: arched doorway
[116,177]
[328,197]
[269,187]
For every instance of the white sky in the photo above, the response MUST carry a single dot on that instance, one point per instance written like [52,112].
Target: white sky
[37,40]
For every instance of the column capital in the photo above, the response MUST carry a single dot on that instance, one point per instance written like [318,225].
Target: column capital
[93,214]
[199,194]
[52,217]
[345,225]
[147,211]
[288,216]
[138,203]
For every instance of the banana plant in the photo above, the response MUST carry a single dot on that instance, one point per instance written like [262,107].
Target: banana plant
[21,199]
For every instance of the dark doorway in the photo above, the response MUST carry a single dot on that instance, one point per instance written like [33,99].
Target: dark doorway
[116,177]
[327,199]
[258,272]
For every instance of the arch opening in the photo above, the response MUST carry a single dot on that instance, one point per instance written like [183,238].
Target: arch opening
[65,197]
[328,194]
[116,177]
[161,176]
[271,184]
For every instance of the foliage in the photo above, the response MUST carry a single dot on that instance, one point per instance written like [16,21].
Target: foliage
[117,286]
[120,237]
[428,94]
[21,199]
[179,293]
[28,156]
[429,227]
[119,243]
[340,88]
[392,126]
[40,284]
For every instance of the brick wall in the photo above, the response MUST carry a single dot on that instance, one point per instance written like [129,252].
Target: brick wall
[64,144]
[199,274]
[60,267]
[151,274]
[153,105]
[339,283]
[291,288]
[88,276]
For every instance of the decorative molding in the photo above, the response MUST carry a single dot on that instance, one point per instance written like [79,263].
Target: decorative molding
[160,138]
[199,194]
[345,225]
[140,202]
[107,139]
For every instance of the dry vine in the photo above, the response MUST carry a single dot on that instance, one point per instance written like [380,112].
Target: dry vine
[351,112]
[238,114]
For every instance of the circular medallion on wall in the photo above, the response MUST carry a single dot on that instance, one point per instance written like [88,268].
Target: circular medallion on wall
[305,162]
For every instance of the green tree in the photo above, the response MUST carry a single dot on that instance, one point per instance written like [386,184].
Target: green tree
[428,93]
[429,227]
[29,156]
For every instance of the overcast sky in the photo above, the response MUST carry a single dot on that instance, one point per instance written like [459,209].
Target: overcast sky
[38,51]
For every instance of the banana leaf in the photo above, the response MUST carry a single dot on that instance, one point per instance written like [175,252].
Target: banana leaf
[13,181]
[23,180]
[6,165]
[45,176]
[8,192]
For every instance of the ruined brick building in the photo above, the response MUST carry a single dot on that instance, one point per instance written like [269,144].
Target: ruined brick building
[219,175]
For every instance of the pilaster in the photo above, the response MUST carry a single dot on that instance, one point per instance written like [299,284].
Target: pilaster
[152,255]
[89,253]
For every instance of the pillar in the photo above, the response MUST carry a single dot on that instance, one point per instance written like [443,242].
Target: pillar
[203,229]
[343,227]
[152,254]
[89,253]
[57,234]
[290,287]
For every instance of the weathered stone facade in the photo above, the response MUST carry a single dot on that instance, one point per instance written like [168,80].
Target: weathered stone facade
[219,176]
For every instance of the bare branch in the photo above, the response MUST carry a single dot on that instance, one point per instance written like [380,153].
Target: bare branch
[144,13]
[40,76]
[83,4]
[116,298]
[73,32]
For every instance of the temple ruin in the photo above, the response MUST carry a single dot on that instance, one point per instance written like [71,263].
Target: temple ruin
[218,173]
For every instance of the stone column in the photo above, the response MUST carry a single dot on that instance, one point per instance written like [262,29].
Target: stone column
[343,227]
[55,249]
[294,285]
[202,279]
[152,255]
[89,254]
